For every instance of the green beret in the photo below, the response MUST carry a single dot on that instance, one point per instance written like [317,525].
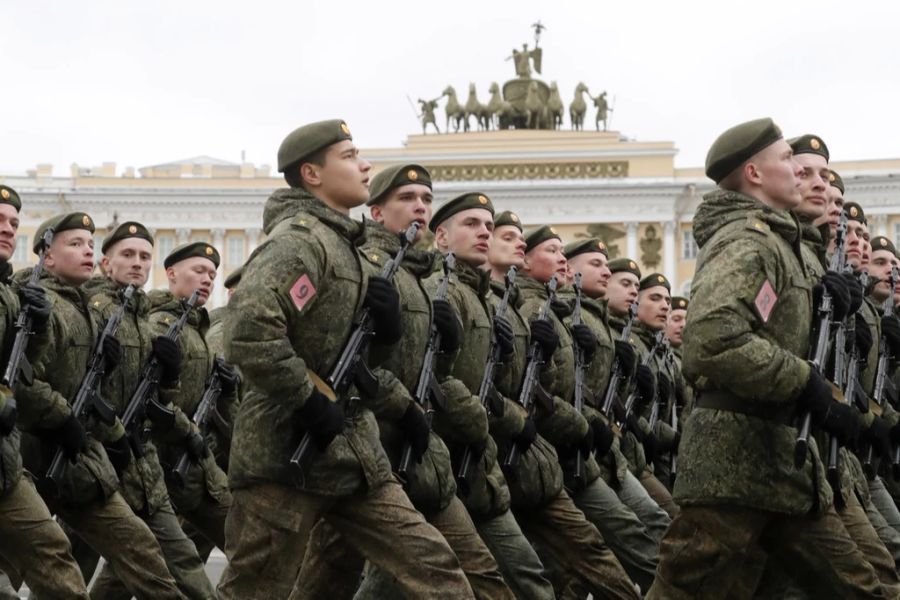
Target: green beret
[185,251]
[809,144]
[394,177]
[234,278]
[305,140]
[538,236]
[735,146]
[10,196]
[619,265]
[508,217]
[679,303]
[459,204]
[59,223]
[128,229]
[836,181]
[855,212]
[573,249]
[879,242]
[653,280]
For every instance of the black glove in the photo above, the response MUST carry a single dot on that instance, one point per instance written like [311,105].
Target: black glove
[168,354]
[842,421]
[643,380]
[195,446]
[112,352]
[447,324]
[856,292]
[862,338]
[895,434]
[72,436]
[626,355]
[8,415]
[119,453]
[670,446]
[383,302]
[415,428]
[839,419]
[878,435]
[505,337]
[651,447]
[321,418]
[543,332]
[634,427]
[840,294]
[35,299]
[816,396]
[585,339]
[227,375]
[679,392]
[525,438]
[586,445]
[603,438]
[663,386]
[890,329]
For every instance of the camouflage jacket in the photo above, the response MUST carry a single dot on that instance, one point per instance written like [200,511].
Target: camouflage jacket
[631,448]
[293,312]
[143,485]
[431,486]
[10,456]
[749,340]
[44,404]
[464,420]
[196,367]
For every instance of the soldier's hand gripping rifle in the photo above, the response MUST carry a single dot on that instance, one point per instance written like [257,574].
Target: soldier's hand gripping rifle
[87,398]
[881,376]
[204,418]
[531,381]
[612,388]
[657,400]
[486,392]
[428,391]
[351,365]
[144,401]
[818,353]
[636,393]
[24,330]
[578,398]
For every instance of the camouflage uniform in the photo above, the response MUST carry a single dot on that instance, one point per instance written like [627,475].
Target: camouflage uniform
[31,542]
[735,512]
[88,501]
[273,337]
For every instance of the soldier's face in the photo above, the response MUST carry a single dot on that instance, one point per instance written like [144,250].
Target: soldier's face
[776,174]
[129,261]
[9,225]
[814,185]
[675,327]
[71,256]
[654,308]
[595,273]
[405,205]
[467,234]
[880,267]
[832,214]
[621,292]
[342,181]
[866,248]
[546,260]
[855,243]
[195,273]
[507,248]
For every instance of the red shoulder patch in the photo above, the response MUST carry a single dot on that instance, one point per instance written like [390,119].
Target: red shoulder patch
[302,292]
[765,301]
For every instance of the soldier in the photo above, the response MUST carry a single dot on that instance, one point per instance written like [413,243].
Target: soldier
[87,499]
[835,207]
[286,324]
[675,336]
[127,257]
[31,542]
[399,196]
[202,498]
[464,226]
[745,348]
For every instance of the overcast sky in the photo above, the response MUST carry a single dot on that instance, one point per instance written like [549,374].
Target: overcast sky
[141,83]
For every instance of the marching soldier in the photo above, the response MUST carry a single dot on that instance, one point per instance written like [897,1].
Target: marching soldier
[287,322]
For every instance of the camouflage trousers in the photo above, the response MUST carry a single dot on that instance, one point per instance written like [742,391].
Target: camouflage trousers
[34,547]
[719,551]
[518,561]
[269,528]
[635,496]
[575,552]
[660,494]
[885,504]
[860,528]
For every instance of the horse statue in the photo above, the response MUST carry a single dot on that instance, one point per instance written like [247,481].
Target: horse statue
[578,107]
[473,108]
[501,111]
[453,109]
[555,107]
[536,114]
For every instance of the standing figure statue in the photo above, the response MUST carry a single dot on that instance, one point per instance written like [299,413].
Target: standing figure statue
[555,107]
[427,115]
[523,58]
[603,110]
[578,107]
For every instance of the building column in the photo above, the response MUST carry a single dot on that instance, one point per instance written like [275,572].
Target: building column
[881,226]
[149,285]
[218,295]
[182,236]
[252,240]
[631,240]
[669,253]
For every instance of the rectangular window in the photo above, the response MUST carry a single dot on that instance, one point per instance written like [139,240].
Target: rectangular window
[235,251]
[164,246]
[896,234]
[688,245]
[20,256]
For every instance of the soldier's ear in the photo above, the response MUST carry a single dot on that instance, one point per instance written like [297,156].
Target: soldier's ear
[309,174]
[375,211]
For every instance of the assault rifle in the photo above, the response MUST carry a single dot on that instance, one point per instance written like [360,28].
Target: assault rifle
[635,394]
[578,399]
[612,388]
